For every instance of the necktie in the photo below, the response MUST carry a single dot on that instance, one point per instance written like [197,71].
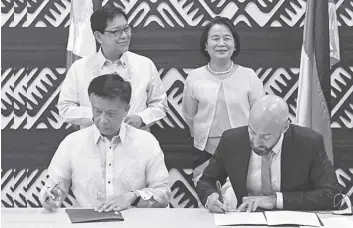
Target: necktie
[266,174]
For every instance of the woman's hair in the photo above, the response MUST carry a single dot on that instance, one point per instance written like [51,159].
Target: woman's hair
[220,21]
[100,17]
[110,86]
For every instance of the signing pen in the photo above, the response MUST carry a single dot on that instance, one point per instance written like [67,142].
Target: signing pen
[52,190]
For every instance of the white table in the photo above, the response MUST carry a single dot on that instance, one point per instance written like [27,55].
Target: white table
[134,217]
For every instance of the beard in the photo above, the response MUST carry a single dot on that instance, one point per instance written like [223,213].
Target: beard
[261,151]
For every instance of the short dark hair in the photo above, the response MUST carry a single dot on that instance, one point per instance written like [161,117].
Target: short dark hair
[221,21]
[110,86]
[100,17]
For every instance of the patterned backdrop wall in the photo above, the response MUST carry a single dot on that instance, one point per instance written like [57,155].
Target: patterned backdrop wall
[34,36]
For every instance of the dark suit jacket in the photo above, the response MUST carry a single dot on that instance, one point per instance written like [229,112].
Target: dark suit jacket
[308,180]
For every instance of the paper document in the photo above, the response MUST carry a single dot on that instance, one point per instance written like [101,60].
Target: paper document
[335,223]
[240,218]
[292,218]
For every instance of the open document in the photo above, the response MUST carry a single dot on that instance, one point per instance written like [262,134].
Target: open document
[269,218]
[240,218]
[292,218]
[339,222]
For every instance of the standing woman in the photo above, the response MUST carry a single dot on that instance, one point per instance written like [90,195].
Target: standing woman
[219,95]
[81,41]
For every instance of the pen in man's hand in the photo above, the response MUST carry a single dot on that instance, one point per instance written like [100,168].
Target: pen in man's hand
[52,190]
[219,191]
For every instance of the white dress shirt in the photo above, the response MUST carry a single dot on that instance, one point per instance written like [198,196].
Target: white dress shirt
[148,99]
[99,168]
[253,183]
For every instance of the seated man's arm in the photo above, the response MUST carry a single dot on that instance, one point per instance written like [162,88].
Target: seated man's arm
[324,184]
[59,170]
[69,105]
[157,193]
[215,171]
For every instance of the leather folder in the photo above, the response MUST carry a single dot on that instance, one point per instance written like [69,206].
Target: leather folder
[90,215]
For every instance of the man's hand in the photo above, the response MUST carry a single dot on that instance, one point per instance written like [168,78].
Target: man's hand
[213,204]
[51,201]
[117,203]
[251,203]
[229,197]
[134,120]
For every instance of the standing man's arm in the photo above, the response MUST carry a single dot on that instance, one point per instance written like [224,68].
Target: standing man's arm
[324,184]
[157,104]
[69,105]
[214,172]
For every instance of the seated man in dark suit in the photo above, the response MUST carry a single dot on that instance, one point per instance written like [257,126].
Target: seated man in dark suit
[271,164]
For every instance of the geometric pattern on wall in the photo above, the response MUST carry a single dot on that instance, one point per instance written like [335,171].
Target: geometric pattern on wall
[342,98]
[21,188]
[29,96]
[173,13]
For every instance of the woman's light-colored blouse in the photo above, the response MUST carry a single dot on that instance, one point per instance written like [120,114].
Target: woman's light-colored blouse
[202,93]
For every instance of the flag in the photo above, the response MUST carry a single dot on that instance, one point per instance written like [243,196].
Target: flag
[313,101]
[333,33]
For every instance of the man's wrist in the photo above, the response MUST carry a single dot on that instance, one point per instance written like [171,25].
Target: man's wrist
[135,198]
[142,123]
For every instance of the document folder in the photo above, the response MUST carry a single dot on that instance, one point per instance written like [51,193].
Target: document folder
[90,215]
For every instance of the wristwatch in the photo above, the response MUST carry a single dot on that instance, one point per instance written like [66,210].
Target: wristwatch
[138,197]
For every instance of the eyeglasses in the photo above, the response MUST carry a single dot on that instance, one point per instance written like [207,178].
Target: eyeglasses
[118,32]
